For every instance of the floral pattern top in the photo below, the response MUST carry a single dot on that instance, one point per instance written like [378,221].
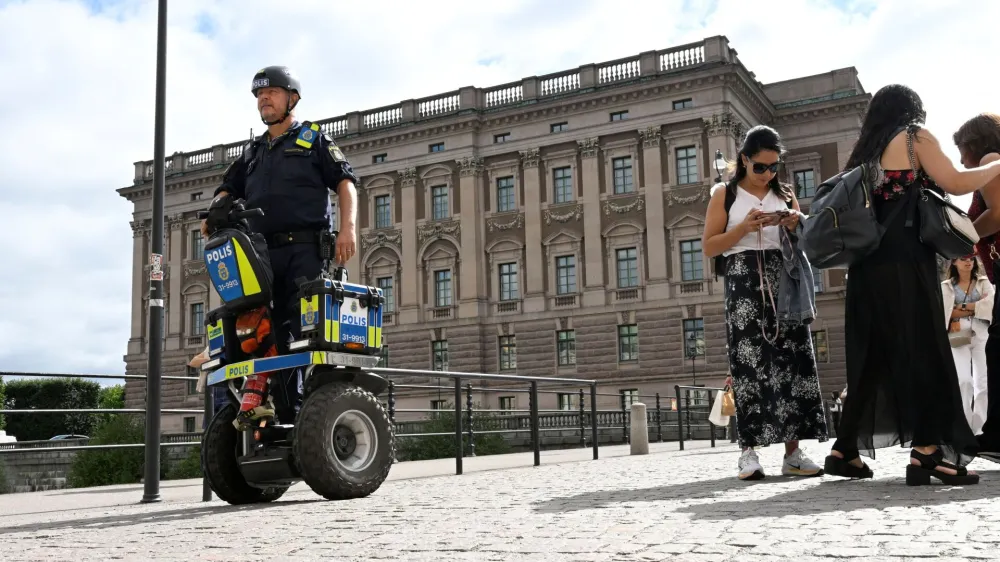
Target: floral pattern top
[896,182]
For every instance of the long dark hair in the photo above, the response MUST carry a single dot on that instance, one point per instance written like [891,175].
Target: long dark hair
[979,136]
[953,271]
[892,107]
[757,139]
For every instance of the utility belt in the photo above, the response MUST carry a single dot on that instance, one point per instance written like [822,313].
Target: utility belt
[325,241]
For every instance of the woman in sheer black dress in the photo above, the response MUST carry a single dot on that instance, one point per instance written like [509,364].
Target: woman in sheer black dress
[902,379]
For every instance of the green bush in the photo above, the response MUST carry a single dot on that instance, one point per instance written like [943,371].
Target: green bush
[4,485]
[443,446]
[49,394]
[103,467]
[190,467]
[2,402]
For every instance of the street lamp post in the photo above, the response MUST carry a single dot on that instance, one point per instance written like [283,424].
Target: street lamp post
[151,480]
[720,164]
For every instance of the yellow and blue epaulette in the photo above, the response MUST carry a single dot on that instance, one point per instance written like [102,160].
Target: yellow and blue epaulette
[307,134]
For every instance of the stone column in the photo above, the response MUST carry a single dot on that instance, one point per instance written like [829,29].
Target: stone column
[534,269]
[658,285]
[172,279]
[138,286]
[409,297]
[473,300]
[593,268]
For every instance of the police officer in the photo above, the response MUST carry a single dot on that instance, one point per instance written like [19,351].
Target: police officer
[287,173]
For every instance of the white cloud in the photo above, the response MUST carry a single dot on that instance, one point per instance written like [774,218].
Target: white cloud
[79,83]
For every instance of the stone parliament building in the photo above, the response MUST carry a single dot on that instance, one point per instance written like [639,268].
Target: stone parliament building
[550,226]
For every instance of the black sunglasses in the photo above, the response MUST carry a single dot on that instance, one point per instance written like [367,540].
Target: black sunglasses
[759,168]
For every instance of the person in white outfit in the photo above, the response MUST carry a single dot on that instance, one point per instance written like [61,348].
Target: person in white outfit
[968,310]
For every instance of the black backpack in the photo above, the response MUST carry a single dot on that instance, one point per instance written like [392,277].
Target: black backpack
[720,260]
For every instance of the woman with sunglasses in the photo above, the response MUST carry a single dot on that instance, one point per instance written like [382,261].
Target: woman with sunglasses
[968,310]
[772,365]
[900,370]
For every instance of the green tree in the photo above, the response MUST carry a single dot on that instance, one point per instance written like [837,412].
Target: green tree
[443,446]
[50,394]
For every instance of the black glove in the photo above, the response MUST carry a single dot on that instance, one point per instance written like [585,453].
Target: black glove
[218,213]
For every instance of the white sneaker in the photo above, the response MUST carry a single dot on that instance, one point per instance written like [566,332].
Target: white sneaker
[750,468]
[798,464]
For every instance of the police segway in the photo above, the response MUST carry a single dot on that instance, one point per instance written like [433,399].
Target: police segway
[342,441]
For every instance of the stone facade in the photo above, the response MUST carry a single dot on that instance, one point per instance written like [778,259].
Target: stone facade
[562,208]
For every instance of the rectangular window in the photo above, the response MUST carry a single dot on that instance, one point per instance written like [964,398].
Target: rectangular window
[565,275]
[192,385]
[383,357]
[439,202]
[619,115]
[383,212]
[379,158]
[820,347]
[622,169]
[439,355]
[442,288]
[505,194]
[817,280]
[694,337]
[629,396]
[508,353]
[197,246]
[562,185]
[558,127]
[683,104]
[566,347]
[508,282]
[567,401]
[502,137]
[196,196]
[437,147]
[385,283]
[438,404]
[805,184]
[197,319]
[687,165]
[628,267]
[506,404]
[628,342]
[189,426]
[692,268]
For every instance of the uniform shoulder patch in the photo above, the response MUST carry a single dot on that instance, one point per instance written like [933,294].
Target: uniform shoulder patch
[336,153]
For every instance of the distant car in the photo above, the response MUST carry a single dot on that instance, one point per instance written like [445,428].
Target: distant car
[58,437]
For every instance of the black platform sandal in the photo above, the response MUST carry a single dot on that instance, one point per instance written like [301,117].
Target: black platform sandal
[836,466]
[921,475]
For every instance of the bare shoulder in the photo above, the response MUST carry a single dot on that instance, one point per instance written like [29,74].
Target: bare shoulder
[991,157]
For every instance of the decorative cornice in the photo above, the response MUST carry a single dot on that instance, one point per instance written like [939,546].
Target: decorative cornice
[380,239]
[175,221]
[470,166]
[650,137]
[529,158]
[725,123]
[854,105]
[436,229]
[574,213]
[588,147]
[139,228]
[700,195]
[495,225]
[194,271]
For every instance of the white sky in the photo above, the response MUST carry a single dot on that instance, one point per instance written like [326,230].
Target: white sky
[79,90]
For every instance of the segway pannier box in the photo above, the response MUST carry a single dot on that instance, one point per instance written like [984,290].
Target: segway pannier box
[341,316]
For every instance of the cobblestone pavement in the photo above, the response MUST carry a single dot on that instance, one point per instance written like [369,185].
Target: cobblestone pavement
[668,505]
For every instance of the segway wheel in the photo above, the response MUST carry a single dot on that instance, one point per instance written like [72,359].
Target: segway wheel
[220,448]
[344,442]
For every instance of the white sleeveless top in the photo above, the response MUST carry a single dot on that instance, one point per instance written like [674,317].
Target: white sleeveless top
[744,202]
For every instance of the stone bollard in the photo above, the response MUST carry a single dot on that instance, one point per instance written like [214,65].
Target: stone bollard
[640,432]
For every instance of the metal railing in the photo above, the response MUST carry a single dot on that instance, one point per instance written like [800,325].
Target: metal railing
[584,418]
[457,379]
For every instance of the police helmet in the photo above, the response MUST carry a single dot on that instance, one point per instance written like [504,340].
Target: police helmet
[276,77]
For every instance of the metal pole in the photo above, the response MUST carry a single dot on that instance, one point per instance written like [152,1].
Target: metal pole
[458,425]
[151,492]
[206,488]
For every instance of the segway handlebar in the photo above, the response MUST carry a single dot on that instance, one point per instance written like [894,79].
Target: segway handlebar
[237,215]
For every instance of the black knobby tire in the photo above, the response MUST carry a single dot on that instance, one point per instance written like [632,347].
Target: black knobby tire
[219,450]
[316,454]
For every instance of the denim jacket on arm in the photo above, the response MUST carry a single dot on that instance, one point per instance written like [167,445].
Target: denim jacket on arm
[796,289]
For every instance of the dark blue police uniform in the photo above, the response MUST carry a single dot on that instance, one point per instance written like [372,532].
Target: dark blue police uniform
[290,178]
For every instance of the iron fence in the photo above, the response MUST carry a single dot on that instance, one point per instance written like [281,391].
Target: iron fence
[584,420]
